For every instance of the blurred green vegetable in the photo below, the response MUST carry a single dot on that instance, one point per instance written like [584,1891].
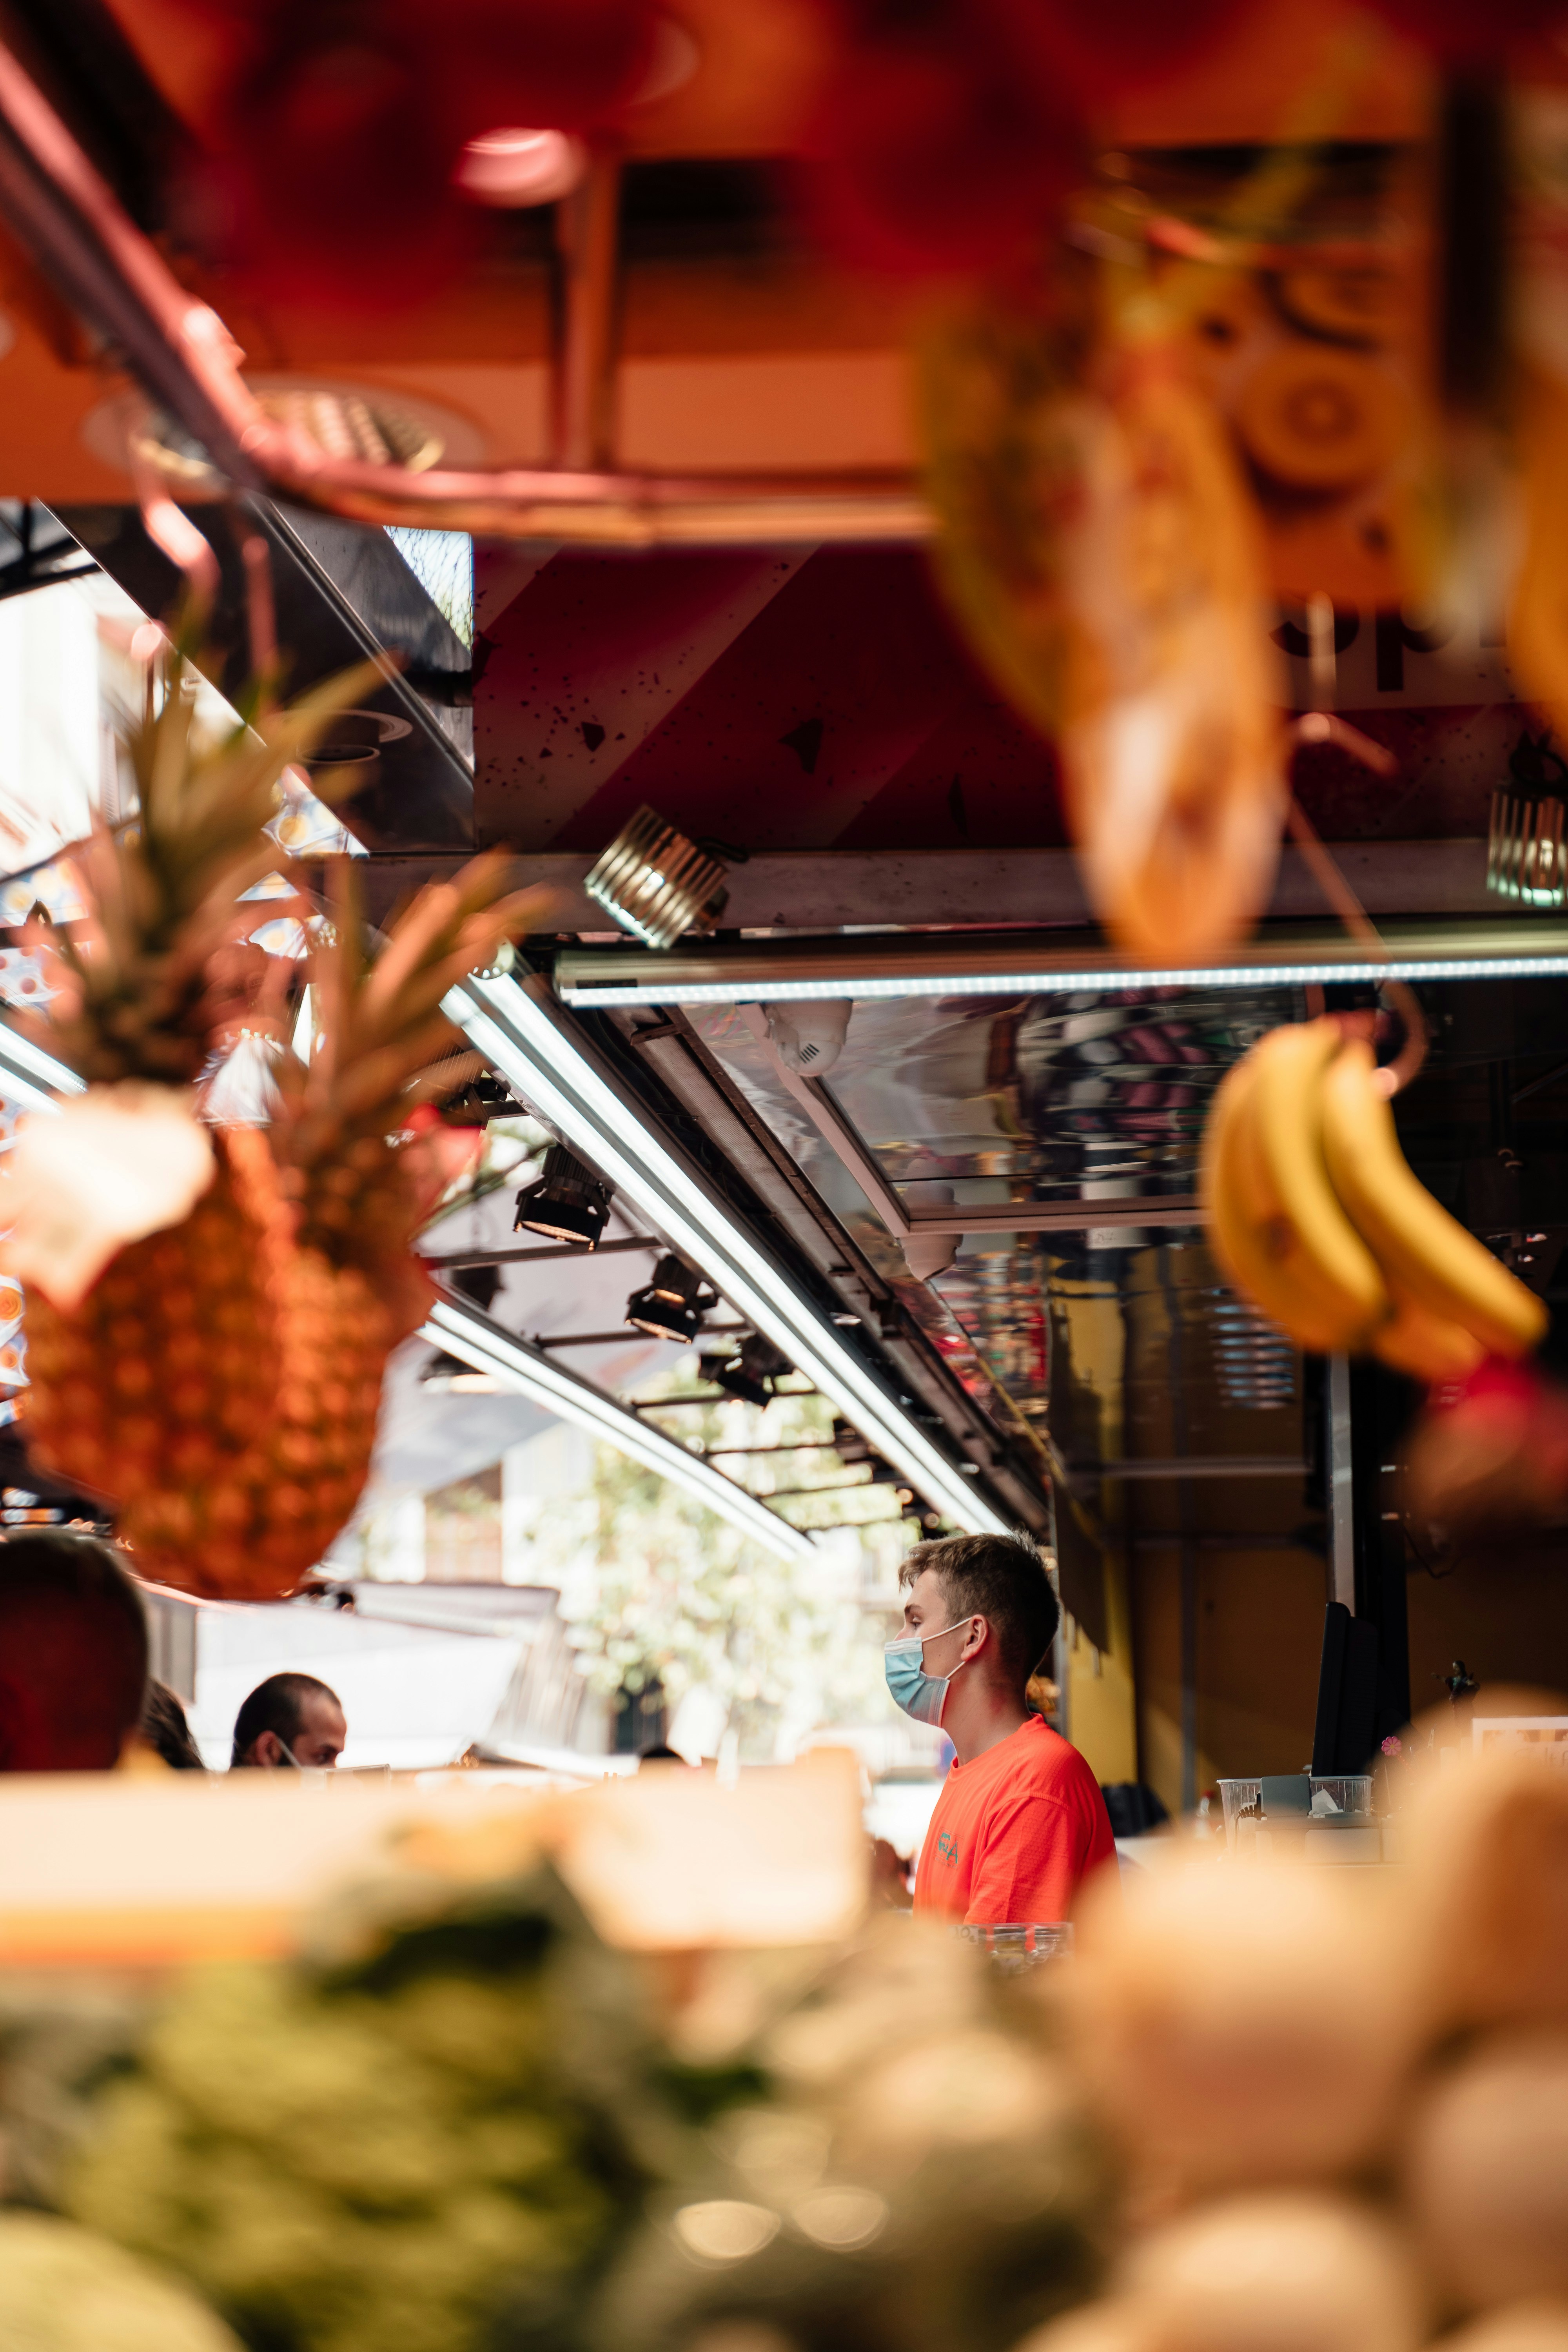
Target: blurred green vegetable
[380,2158]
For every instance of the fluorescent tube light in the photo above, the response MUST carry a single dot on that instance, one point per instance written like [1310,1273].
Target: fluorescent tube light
[528,1371]
[31,1076]
[1044,981]
[519,1033]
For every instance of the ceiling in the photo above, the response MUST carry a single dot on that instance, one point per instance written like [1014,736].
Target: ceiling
[807,710]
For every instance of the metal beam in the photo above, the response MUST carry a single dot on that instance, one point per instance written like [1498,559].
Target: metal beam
[1198,1465]
[817,890]
[342,595]
[890,967]
[1341,1485]
[115,277]
[31,1076]
[644,1242]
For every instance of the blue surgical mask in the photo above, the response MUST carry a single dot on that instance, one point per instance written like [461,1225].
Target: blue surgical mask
[919,1694]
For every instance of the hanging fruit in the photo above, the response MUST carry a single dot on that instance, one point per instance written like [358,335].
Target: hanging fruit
[210,1311]
[1316,1216]
[1490,1455]
[1101,551]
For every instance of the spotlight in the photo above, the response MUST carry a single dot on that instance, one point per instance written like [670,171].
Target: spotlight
[655,883]
[673,1304]
[450,1375]
[567,1204]
[750,1373]
[849,1442]
[483,1097]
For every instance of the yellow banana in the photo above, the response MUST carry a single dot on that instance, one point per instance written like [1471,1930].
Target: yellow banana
[1425,1250]
[1248,1236]
[1310,1230]
[1426,1346]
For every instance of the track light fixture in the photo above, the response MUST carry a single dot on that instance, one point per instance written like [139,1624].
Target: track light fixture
[673,1304]
[566,1203]
[655,883]
[750,1373]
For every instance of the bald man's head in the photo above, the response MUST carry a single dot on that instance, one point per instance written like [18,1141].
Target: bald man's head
[73,1653]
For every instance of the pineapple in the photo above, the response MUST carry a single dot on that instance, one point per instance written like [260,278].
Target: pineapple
[219,1378]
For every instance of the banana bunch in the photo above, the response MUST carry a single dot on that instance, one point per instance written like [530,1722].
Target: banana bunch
[1315,1214]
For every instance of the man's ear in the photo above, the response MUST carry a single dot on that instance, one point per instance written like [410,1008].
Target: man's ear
[979,1640]
[267,1748]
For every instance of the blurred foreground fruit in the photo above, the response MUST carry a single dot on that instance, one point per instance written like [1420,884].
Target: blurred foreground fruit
[1288,2271]
[1103,557]
[1486,2171]
[1491,1453]
[1198,2026]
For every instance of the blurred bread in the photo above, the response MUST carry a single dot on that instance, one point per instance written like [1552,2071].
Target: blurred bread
[1242,2026]
[1486,2172]
[1287,2272]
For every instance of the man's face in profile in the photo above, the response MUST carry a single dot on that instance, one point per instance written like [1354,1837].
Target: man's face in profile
[319,1741]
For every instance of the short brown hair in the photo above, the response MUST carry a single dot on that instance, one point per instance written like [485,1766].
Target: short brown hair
[1002,1579]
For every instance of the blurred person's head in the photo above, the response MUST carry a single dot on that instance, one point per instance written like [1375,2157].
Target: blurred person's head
[166,1732]
[73,1653]
[993,1595]
[289,1720]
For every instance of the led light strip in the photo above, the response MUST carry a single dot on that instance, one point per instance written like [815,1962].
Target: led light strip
[1048,980]
[31,1076]
[517,1032]
[464,1332]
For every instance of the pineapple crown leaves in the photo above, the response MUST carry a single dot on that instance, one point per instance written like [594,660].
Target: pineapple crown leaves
[379,1018]
[134,995]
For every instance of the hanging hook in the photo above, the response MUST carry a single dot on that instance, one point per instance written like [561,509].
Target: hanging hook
[174,533]
[1318,727]
[260,609]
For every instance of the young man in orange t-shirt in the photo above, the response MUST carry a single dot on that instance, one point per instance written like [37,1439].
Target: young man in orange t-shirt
[1020,1823]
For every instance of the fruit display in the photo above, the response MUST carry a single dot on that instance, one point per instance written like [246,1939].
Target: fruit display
[1262,2105]
[488,2131]
[65,2289]
[913,2169]
[393,2154]
[210,1310]
[1316,1216]
[1341,2116]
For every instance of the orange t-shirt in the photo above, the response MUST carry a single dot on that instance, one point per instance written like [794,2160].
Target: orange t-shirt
[1015,1832]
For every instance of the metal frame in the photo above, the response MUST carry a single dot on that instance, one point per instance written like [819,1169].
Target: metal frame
[1014,1217]
[893,966]
[32,566]
[71,223]
[463,1331]
[30,1076]
[522,1035]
